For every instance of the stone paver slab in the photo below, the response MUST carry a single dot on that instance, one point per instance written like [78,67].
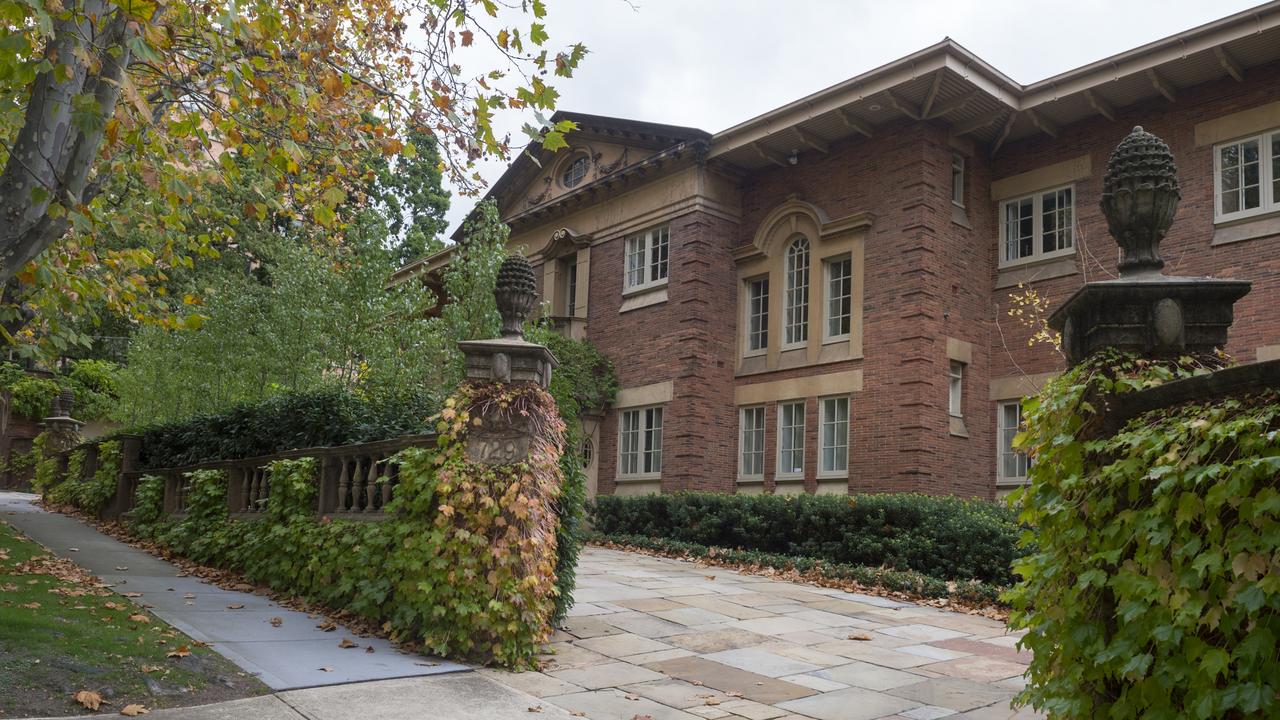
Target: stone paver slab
[979,669]
[646,625]
[676,693]
[922,633]
[868,676]
[753,710]
[775,625]
[693,616]
[753,686]
[870,653]
[613,703]
[762,661]
[849,704]
[952,693]
[535,683]
[928,712]
[717,640]
[589,627]
[813,681]
[977,647]
[604,675]
[622,645]
[732,609]
[563,656]
[933,651]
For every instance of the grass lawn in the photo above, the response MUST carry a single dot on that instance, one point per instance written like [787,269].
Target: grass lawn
[60,633]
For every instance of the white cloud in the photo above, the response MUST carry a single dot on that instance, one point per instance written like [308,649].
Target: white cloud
[712,64]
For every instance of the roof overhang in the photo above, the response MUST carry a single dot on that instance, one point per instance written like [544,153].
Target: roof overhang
[947,83]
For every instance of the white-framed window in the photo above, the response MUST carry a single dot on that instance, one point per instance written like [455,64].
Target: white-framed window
[795,309]
[791,439]
[839,293]
[575,172]
[957,179]
[571,288]
[1246,177]
[1039,226]
[757,315]
[647,258]
[955,404]
[1011,464]
[640,442]
[751,442]
[833,440]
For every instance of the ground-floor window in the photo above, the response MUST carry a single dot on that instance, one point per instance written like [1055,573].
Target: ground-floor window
[791,438]
[1012,464]
[751,443]
[833,419]
[640,442]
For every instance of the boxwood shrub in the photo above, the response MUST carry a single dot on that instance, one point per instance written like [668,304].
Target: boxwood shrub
[942,537]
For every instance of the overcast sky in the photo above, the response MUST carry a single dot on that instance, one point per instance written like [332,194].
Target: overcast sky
[712,64]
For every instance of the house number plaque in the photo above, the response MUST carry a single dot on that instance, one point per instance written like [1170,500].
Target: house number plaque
[497,442]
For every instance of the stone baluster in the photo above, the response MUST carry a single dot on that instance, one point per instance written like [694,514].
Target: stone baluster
[388,475]
[372,487]
[266,489]
[256,490]
[246,482]
[346,485]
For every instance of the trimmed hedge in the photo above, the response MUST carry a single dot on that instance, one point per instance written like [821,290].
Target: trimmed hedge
[284,422]
[943,537]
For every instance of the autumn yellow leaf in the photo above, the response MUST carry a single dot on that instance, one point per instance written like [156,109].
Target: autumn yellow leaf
[133,710]
[179,652]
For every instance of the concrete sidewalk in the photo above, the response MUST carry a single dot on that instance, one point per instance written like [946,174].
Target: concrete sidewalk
[290,654]
[457,696]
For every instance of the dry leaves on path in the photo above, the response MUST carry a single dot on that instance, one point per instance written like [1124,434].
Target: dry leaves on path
[236,606]
[856,636]
[89,699]
[277,621]
[179,652]
[133,710]
[140,618]
[348,643]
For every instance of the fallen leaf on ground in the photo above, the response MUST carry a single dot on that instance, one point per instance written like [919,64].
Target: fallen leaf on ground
[642,717]
[856,636]
[578,713]
[348,643]
[277,621]
[632,696]
[712,701]
[326,669]
[369,649]
[150,668]
[189,596]
[133,710]
[427,664]
[711,577]
[328,626]
[236,606]
[179,652]
[139,618]
[696,682]
[122,568]
[89,699]
[132,594]
[31,605]
[535,708]
[112,606]
[74,549]
[734,694]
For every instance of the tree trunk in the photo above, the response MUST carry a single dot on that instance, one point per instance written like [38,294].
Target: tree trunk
[52,157]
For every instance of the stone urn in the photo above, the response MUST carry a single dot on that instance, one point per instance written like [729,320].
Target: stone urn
[1140,195]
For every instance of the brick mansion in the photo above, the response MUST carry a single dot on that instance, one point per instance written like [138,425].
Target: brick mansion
[818,299]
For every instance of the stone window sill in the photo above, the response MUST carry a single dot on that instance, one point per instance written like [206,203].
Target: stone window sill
[1247,229]
[1035,271]
[957,427]
[960,216]
[643,298]
[644,289]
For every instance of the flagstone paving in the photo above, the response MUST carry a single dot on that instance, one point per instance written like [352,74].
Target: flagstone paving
[676,640]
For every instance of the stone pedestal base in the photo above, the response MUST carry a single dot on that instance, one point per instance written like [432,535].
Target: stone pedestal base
[1156,316]
[508,360]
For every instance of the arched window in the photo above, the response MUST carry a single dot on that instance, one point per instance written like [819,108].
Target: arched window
[795,313]
[575,171]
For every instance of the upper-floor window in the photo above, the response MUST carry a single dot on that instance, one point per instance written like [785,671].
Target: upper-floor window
[833,442]
[839,295]
[1247,176]
[795,327]
[1011,464]
[757,314]
[957,179]
[1037,226]
[640,442]
[791,438]
[956,400]
[751,443]
[575,172]
[647,258]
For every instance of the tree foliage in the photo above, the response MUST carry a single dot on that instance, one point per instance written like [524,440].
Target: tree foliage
[1155,588]
[115,116]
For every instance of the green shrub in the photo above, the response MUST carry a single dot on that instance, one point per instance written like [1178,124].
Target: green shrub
[943,537]
[464,562]
[284,422]
[148,506]
[1155,588]
[32,396]
[46,464]
[93,382]
[89,494]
